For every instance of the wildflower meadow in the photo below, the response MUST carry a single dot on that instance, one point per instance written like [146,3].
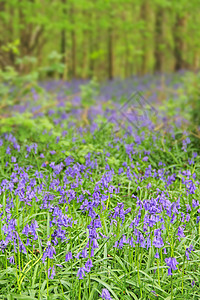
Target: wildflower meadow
[100,192]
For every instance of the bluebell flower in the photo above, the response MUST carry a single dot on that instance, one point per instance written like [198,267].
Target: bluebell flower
[51,272]
[88,265]
[11,260]
[188,251]
[105,295]
[171,263]
[81,273]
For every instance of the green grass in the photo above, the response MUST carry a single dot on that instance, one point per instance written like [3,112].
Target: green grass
[126,272]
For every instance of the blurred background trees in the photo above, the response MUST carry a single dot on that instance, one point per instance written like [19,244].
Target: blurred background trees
[102,38]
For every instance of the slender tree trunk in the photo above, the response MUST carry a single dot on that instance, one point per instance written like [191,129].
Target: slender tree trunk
[144,13]
[127,54]
[2,41]
[196,61]
[91,49]
[73,43]
[63,43]
[91,45]
[110,52]
[85,46]
[159,40]
[73,53]
[25,38]
[179,42]
[63,52]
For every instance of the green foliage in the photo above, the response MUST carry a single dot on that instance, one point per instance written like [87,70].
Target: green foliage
[80,42]
[89,92]
[12,47]
[54,66]
[128,273]
[192,86]
[14,85]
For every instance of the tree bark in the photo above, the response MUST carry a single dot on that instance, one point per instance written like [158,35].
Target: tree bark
[179,42]
[159,40]
[73,43]
[144,12]
[110,52]
[63,43]
[2,41]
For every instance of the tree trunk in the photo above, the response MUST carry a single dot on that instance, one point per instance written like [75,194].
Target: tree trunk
[196,61]
[63,43]
[144,13]
[2,40]
[110,52]
[91,45]
[159,40]
[73,43]
[30,36]
[179,42]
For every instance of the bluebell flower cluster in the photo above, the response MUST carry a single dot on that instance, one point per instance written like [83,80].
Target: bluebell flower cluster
[70,204]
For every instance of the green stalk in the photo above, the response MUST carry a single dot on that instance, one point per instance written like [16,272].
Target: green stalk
[161,256]
[138,273]
[79,296]
[40,283]
[47,277]
[18,252]
[15,258]
[158,264]
[171,288]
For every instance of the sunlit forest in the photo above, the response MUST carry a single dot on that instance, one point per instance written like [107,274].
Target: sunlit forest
[99,149]
[102,38]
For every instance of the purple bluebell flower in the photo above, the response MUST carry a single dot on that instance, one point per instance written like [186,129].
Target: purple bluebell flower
[195,203]
[180,232]
[148,185]
[171,263]
[145,158]
[158,241]
[51,272]
[193,283]
[49,252]
[84,253]
[11,260]
[68,256]
[105,295]
[188,251]
[188,207]
[52,152]
[13,159]
[88,265]
[77,256]
[81,273]
[164,251]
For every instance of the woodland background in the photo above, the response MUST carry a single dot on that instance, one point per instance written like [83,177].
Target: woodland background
[99,38]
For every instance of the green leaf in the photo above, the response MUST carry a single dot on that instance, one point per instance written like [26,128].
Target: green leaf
[22,297]
[106,285]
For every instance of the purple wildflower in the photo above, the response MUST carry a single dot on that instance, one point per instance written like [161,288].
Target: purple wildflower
[11,260]
[68,256]
[51,272]
[81,273]
[171,263]
[188,251]
[105,295]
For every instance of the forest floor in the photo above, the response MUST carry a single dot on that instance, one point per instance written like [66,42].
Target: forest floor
[99,191]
